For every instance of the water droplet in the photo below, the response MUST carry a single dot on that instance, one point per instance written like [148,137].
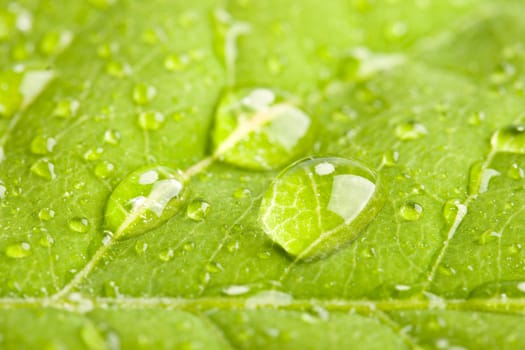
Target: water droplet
[197,209]
[141,247]
[450,210]
[488,236]
[150,120]
[410,131]
[176,63]
[498,290]
[3,190]
[46,214]
[93,153]
[515,172]
[10,95]
[510,139]
[102,4]
[18,250]
[66,108]
[479,178]
[42,145]
[118,69]
[104,169]
[316,205]
[92,337]
[112,137]
[390,158]
[44,168]
[259,129]
[411,211]
[145,199]
[268,297]
[54,42]
[143,93]
[78,224]
[166,255]
[46,241]
[242,193]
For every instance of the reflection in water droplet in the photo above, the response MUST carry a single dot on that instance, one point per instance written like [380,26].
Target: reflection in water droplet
[104,169]
[44,169]
[145,199]
[510,139]
[197,209]
[150,120]
[316,205]
[411,211]
[410,131]
[18,250]
[143,93]
[78,224]
[235,290]
[259,129]
[93,153]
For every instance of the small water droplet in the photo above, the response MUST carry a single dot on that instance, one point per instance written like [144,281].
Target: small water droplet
[327,202]
[411,211]
[150,120]
[509,140]
[10,95]
[197,209]
[18,250]
[260,129]
[93,153]
[42,145]
[44,169]
[46,214]
[479,178]
[54,42]
[145,199]
[242,193]
[410,131]
[515,172]
[66,108]
[450,210]
[118,69]
[46,241]
[78,224]
[390,158]
[104,169]
[166,255]
[488,236]
[112,137]
[176,63]
[143,93]
[141,247]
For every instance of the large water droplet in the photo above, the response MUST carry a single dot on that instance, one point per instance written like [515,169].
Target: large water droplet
[18,250]
[145,199]
[258,129]
[479,178]
[316,205]
[44,168]
[510,139]
[197,209]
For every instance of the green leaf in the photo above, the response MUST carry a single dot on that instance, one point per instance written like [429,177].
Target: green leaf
[428,94]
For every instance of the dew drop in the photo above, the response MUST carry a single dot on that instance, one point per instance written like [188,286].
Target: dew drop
[390,158]
[166,255]
[411,211]
[235,290]
[143,93]
[450,210]
[317,205]
[118,69]
[46,241]
[66,108]
[104,169]
[198,209]
[42,145]
[488,236]
[515,172]
[175,63]
[150,120]
[410,131]
[112,137]
[479,178]
[509,140]
[145,199]
[46,214]
[141,247]
[259,129]
[78,224]
[44,169]
[18,250]
[54,42]
[93,153]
